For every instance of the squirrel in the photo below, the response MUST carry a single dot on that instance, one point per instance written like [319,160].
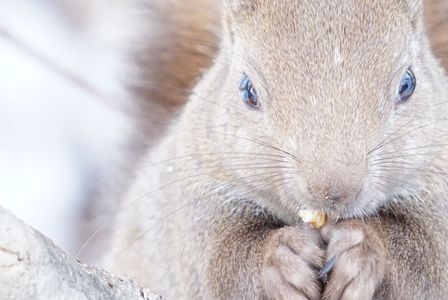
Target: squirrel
[335,106]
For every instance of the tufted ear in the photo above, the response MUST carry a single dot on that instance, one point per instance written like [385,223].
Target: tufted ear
[415,7]
[236,11]
[240,6]
[415,11]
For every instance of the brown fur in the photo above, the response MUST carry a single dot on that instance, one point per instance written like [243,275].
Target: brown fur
[436,14]
[171,57]
[220,220]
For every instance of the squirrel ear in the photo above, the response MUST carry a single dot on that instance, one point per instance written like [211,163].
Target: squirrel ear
[236,11]
[237,6]
[415,6]
[415,12]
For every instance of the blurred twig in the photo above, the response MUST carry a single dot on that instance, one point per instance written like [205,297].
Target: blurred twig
[58,69]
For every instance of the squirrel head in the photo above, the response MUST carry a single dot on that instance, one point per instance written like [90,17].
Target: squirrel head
[333,105]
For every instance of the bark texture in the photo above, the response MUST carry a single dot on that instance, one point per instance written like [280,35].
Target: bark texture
[32,267]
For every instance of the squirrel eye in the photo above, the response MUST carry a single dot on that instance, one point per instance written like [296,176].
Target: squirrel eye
[249,93]
[407,86]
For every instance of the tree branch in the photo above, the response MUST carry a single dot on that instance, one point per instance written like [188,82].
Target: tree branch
[32,267]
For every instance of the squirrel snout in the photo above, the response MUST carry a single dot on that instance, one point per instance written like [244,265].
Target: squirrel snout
[330,183]
[334,190]
[333,195]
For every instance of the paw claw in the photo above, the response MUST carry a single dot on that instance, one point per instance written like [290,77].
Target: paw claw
[360,263]
[326,270]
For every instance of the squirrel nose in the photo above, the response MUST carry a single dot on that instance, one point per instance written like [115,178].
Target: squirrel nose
[333,184]
[333,195]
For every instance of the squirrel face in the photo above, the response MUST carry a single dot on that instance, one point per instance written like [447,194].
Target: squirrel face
[345,95]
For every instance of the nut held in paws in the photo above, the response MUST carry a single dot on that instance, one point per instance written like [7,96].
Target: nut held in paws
[313,217]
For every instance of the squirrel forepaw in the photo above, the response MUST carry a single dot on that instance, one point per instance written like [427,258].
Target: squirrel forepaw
[355,261]
[292,260]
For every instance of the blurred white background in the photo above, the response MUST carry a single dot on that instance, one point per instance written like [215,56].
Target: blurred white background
[57,140]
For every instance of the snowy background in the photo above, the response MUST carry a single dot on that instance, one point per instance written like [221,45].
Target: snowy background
[57,140]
